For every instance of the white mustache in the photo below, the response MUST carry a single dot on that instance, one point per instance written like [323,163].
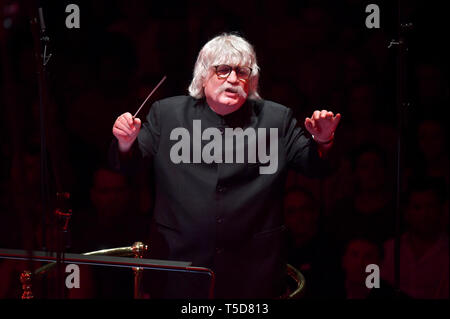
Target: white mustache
[237,89]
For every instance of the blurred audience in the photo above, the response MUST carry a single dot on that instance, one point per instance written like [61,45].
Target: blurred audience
[307,249]
[432,88]
[366,121]
[424,246]
[430,151]
[369,210]
[113,219]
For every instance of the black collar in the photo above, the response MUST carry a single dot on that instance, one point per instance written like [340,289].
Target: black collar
[242,117]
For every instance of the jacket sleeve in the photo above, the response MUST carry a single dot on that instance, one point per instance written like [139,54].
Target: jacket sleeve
[145,146]
[302,152]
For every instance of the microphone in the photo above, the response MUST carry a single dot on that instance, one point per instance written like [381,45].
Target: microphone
[41,19]
[43,36]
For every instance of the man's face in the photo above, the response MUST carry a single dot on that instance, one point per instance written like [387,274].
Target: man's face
[358,255]
[301,216]
[432,139]
[370,172]
[110,195]
[225,95]
[423,214]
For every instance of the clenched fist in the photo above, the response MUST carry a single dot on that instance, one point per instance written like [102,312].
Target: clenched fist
[126,129]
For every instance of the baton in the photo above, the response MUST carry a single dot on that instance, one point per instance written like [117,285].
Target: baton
[160,82]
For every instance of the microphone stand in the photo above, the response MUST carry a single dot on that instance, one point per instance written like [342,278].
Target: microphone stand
[403,104]
[40,39]
[55,238]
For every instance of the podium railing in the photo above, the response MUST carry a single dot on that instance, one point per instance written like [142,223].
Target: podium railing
[104,258]
[94,259]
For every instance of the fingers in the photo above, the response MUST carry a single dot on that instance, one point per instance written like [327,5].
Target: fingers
[322,122]
[324,114]
[137,122]
[329,115]
[119,132]
[127,121]
[123,125]
[316,115]
[128,118]
[126,127]
[337,118]
[309,124]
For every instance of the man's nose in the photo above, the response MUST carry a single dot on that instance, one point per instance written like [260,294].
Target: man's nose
[232,78]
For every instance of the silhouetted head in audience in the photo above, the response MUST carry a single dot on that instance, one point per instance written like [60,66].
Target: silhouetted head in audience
[301,215]
[432,86]
[424,216]
[369,167]
[358,254]
[110,194]
[362,103]
[432,138]
[316,26]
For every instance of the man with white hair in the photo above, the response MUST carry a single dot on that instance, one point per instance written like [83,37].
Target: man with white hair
[219,192]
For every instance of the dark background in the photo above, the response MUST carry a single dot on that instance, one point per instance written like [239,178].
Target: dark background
[312,54]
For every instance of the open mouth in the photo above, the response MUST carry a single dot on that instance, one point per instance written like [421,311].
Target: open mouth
[231,90]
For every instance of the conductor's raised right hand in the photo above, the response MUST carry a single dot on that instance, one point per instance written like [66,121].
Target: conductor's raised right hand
[126,129]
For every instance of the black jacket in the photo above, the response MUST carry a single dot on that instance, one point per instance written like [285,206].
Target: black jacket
[224,216]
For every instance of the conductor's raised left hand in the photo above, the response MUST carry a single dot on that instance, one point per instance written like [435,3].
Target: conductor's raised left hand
[322,125]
